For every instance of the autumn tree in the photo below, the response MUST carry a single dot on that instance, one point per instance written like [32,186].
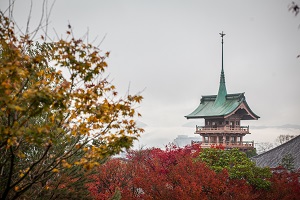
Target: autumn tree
[238,166]
[251,153]
[60,116]
[182,173]
[165,174]
[285,185]
[110,177]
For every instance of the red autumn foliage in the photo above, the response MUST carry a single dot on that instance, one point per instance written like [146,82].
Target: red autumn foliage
[174,174]
[111,175]
[165,174]
[217,146]
[285,185]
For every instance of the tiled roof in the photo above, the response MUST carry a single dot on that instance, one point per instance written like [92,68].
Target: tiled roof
[273,157]
[209,108]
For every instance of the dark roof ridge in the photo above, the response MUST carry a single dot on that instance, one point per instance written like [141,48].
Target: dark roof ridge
[232,94]
[228,96]
[280,146]
[209,96]
[236,94]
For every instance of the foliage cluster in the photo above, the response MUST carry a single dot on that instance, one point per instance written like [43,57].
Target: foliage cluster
[59,115]
[237,164]
[190,173]
[158,174]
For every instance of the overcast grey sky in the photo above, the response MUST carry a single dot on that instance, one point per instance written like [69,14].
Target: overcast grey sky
[173,49]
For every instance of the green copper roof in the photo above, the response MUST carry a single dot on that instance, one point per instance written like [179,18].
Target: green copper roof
[221,98]
[209,108]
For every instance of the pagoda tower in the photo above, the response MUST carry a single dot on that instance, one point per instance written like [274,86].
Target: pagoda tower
[222,114]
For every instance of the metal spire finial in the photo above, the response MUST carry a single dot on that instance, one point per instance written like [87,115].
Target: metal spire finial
[221,97]
[222,35]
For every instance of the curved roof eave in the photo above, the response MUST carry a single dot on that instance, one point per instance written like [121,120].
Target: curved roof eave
[190,116]
[196,117]
[244,105]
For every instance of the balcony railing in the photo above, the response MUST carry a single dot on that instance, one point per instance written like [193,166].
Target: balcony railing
[222,129]
[244,144]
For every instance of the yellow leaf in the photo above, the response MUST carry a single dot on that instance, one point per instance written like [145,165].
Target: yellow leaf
[55,170]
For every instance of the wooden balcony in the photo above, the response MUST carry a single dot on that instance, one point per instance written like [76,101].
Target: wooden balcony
[230,145]
[222,129]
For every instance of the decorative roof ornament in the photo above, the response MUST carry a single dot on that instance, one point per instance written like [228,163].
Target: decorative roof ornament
[221,98]
[222,36]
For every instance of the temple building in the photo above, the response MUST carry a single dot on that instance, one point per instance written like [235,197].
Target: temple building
[223,114]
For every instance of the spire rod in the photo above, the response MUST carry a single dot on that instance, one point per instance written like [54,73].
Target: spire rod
[221,97]
[222,35]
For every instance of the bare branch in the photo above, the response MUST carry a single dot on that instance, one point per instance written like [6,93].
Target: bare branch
[102,40]
[28,19]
